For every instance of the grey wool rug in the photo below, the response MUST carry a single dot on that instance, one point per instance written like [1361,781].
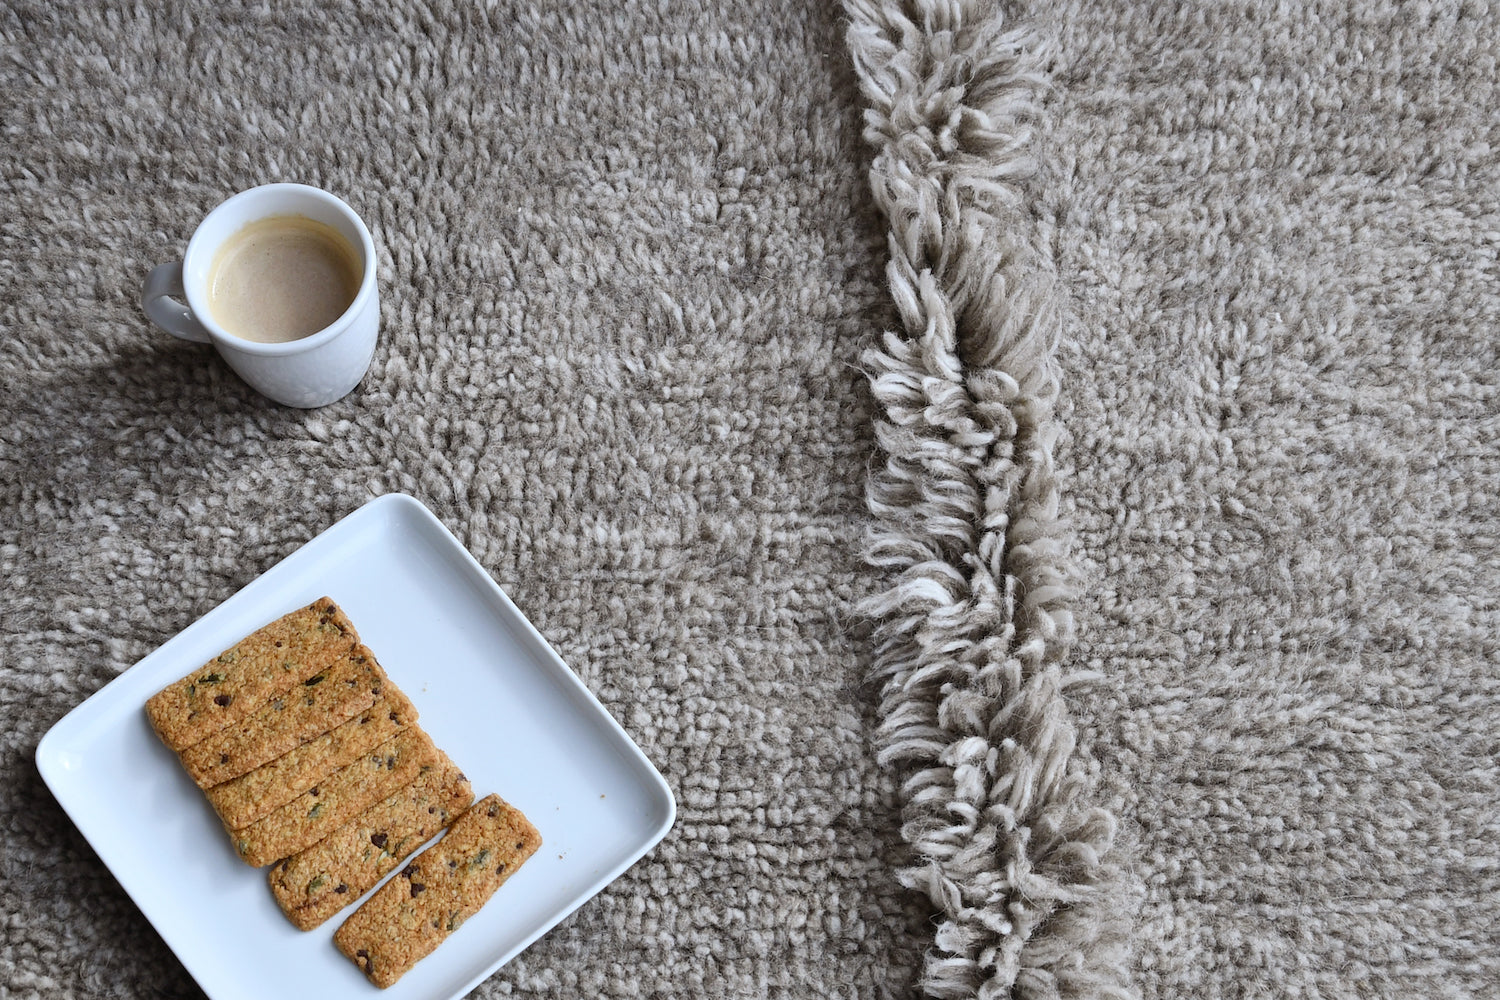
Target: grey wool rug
[1026,474]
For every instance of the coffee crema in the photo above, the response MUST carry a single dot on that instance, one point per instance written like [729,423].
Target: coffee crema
[282,278]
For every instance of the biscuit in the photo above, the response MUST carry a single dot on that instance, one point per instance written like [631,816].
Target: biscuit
[414,912]
[315,884]
[236,683]
[242,800]
[335,799]
[322,701]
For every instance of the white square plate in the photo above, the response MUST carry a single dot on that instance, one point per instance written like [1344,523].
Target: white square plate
[491,693]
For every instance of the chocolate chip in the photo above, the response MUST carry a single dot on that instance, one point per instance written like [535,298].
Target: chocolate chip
[432,809]
[501,869]
[278,643]
[409,870]
[390,763]
[417,887]
[519,845]
[395,717]
[378,839]
[223,758]
[223,700]
[314,679]
[493,809]
[362,953]
[314,791]
[341,888]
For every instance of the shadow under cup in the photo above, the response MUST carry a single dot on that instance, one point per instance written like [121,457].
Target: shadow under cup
[314,370]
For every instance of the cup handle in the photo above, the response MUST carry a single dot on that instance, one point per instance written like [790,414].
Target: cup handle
[160,298]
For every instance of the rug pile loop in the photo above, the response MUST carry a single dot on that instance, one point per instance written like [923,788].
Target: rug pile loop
[975,628]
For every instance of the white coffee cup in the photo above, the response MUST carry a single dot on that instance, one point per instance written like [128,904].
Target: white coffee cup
[313,371]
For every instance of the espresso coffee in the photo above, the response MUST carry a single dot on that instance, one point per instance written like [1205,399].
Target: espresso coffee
[282,278]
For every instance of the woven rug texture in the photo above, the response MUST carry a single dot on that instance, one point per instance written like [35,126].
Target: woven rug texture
[1025,473]
[1279,225]
[628,264]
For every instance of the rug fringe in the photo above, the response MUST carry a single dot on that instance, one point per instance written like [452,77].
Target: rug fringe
[972,633]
